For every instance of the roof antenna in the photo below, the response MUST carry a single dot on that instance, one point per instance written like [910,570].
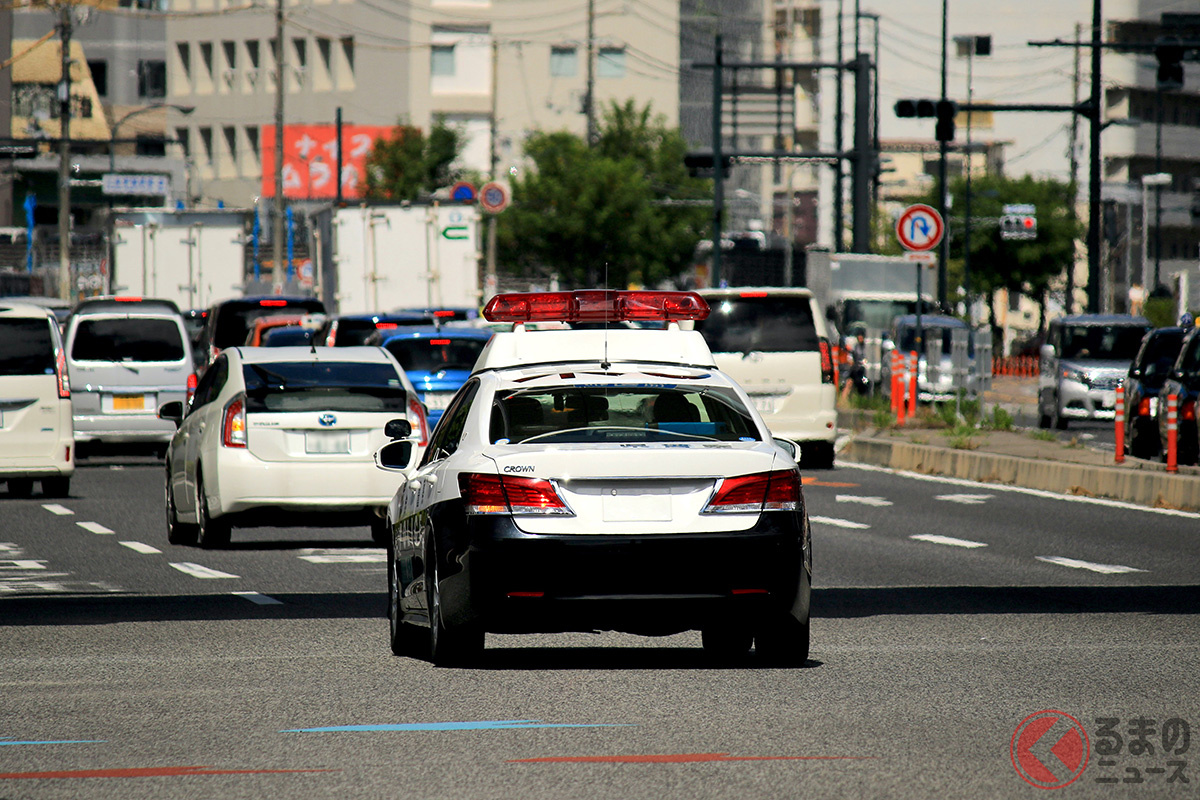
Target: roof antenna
[605,364]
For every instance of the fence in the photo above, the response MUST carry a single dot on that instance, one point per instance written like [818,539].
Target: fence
[1016,366]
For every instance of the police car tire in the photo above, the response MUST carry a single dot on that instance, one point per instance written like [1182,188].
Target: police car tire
[212,532]
[447,646]
[817,455]
[404,639]
[783,642]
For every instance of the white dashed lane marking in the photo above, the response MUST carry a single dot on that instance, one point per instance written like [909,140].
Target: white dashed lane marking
[950,540]
[55,508]
[965,499]
[260,599]
[141,548]
[878,502]
[1074,563]
[198,571]
[94,527]
[840,523]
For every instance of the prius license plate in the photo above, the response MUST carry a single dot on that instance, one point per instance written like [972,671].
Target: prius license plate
[129,402]
[327,442]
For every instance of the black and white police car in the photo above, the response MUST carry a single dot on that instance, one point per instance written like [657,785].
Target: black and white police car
[599,479]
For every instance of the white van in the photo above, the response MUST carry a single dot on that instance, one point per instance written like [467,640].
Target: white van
[774,342]
[36,435]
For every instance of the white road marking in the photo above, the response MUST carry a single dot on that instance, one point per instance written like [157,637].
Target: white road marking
[21,563]
[260,599]
[198,571]
[94,527]
[878,502]
[839,523]
[965,499]
[1069,498]
[950,540]
[1074,563]
[55,508]
[141,548]
[352,558]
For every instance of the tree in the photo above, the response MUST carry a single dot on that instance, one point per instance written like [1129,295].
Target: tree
[408,163]
[605,215]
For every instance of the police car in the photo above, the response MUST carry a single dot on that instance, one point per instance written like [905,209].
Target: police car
[609,479]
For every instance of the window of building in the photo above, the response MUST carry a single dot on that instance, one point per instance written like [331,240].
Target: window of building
[35,100]
[610,62]
[99,70]
[564,62]
[441,60]
[152,79]
[206,145]
[230,134]
[150,146]
[206,60]
[300,59]
[348,52]
[184,52]
[252,142]
[181,138]
[229,72]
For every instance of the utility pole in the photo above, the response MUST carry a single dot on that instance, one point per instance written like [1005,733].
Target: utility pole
[1075,83]
[1094,112]
[589,96]
[492,162]
[942,188]
[64,155]
[838,201]
[277,219]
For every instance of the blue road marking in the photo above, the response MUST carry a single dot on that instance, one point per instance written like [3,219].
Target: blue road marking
[487,725]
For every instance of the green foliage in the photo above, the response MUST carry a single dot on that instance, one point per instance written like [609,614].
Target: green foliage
[1160,311]
[594,215]
[1001,420]
[408,163]
[1043,436]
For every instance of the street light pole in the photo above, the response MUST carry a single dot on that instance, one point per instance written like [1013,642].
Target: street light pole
[64,155]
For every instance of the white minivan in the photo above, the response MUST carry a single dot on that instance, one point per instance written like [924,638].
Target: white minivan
[774,342]
[36,435]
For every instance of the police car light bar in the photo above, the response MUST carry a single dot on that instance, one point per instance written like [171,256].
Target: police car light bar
[595,305]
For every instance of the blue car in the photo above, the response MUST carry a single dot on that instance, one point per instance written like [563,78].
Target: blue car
[353,330]
[437,360]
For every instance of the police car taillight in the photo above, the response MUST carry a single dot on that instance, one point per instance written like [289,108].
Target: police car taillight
[595,305]
[762,491]
[483,493]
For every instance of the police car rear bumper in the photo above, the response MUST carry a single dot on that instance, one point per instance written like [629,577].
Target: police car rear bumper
[515,582]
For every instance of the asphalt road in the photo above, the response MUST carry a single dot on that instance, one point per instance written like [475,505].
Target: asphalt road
[946,614]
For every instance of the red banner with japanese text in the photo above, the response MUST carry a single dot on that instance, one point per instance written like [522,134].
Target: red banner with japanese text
[310,159]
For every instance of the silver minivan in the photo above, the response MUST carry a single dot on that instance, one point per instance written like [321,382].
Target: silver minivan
[126,357]
[36,442]
[1084,359]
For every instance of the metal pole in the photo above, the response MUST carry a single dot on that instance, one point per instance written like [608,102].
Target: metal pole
[1093,233]
[277,220]
[943,146]
[64,155]
[337,124]
[1070,299]
[589,95]
[862,154]
[967,191]
[1158,121]
[839,221]
[718,158]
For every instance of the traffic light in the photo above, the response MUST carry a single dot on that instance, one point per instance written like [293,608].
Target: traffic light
[700,165]
[1168,50]
[944,110]
[1018,226]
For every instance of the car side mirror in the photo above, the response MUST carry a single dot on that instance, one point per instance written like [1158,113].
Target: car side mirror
[789,447]
[395,456]
[172,411]
[397,429]
[1135,372]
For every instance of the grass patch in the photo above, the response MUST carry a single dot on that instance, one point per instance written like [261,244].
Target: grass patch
[1000,420]
[1043,436]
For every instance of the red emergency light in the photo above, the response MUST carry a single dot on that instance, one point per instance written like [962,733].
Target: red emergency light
[595,305]
[128,299]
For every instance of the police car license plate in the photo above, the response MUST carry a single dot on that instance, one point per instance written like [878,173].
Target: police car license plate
[636,507]
[128,402]
[327,442]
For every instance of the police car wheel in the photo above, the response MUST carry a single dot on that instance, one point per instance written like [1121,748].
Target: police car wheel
[381,532]
[448,646]
[783,642]
[404,639]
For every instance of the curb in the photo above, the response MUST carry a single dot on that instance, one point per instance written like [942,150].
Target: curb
[1140,487]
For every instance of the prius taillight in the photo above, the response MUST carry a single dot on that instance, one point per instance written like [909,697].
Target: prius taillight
[233,425]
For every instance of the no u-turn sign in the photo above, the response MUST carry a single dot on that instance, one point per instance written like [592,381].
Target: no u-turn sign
[920,228]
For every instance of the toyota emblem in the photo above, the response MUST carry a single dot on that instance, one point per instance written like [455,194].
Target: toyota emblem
[327,420]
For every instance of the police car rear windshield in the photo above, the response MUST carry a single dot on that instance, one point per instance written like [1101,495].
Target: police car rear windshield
[766,324]
[323,386]
[621,415]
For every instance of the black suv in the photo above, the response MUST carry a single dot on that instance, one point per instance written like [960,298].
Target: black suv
[229,321]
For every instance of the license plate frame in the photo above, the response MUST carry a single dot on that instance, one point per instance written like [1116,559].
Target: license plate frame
[327,443]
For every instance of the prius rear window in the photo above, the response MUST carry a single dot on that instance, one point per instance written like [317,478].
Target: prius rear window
[763,324]
[26,347]
[139,339]
[323,386]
